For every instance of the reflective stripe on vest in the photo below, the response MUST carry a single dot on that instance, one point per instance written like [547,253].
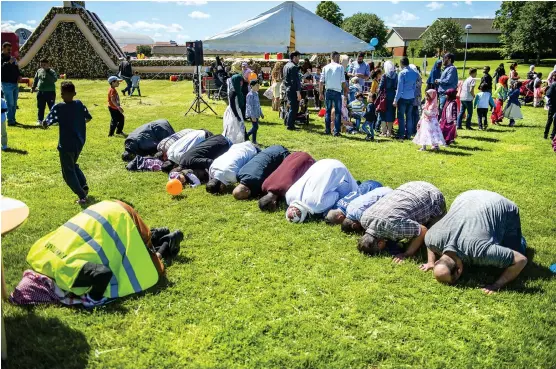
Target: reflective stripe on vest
[120,246]
[101,254]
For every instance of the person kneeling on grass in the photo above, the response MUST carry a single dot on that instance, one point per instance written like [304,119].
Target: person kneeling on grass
[280,181]
[102,253]
[223,171]
[202,156]
[319,189]
[71,117]
[482,228]
[256,171]
[403,214]
[337,214]
[356,208]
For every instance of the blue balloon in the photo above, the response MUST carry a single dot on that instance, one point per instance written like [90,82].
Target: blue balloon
[374,41]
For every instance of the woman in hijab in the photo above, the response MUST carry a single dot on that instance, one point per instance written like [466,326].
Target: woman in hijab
[449,117]
[500,71]
[531,74]
[552,76]
[500,96]
[234,126]
[434,75]
[388,85]
[417,100]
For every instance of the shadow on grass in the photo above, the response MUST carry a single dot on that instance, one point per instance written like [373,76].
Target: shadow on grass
[450,153]
[15,151]
[91,200]
[482,139]
[40,342]
[27,126]
[467,148]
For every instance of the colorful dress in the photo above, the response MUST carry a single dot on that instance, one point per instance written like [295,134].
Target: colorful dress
[429,132]
[449,117]
[501,94]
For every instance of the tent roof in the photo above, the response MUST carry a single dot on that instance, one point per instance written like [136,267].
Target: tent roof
[270,32]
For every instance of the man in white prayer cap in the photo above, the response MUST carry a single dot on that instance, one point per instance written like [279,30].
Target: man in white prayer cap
[318,189]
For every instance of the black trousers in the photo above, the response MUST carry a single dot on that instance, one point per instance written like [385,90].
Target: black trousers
[551,121]
[96,276]
[44,98]
[73,176]
[117,121]
[482,114]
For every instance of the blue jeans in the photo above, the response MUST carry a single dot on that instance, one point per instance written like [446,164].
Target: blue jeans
[357,117]
[466,105]
[294,108]
[369,128]
[128,83]
[11,94]
[253,131]
[378,122]
[442,102]
[405,114]
[333,97]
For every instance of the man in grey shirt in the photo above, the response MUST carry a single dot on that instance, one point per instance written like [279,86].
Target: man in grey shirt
[403,214]
[482,228]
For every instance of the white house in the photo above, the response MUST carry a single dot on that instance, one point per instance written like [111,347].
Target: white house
[398,39]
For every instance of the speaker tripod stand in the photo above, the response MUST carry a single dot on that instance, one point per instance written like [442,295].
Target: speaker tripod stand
[196,104]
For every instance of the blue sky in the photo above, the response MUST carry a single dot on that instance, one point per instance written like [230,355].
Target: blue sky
[190,20]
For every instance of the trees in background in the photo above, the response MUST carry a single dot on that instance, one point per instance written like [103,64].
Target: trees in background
[366,26]
[432,37]
[145,50]
[527,27]
[330,11]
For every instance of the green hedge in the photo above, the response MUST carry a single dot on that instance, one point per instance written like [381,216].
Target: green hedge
[481,54]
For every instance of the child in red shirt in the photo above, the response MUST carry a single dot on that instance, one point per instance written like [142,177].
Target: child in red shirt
[116,111]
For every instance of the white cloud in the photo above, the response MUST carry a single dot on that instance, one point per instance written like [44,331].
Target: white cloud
[188,3]
[469,2]
[482,16]
[400,19]
[143,26]
[182,37]
[12,26]
[434,5]
[157,35]
[198,15]
[32,22]
[394,1]
[455,4]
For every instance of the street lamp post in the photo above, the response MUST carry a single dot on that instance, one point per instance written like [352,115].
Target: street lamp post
[467,28]
[443,41]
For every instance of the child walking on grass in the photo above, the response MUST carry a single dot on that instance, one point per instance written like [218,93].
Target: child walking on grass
[370,119]
[116,112]
[253,110]
[135,84]
[482,102]
[512,111]
[71,117]
[429,132]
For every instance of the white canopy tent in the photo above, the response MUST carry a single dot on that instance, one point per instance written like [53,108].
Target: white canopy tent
[288,25]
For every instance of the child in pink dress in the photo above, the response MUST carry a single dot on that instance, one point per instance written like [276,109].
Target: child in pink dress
[429,132]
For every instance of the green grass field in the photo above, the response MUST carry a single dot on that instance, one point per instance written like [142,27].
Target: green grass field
[250,290]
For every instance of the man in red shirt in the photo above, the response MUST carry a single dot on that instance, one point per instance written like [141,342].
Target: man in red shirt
[280,181]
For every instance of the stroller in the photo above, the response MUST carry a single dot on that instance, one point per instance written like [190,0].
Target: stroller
[527,93]
[303,112]
[220,81]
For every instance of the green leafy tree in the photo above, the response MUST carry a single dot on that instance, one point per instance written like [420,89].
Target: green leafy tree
[415,49]
[432,37]
[330,11]
[366,26]
[145,50]
[527,27]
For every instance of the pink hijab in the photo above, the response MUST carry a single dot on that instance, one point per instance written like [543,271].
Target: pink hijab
[432,104]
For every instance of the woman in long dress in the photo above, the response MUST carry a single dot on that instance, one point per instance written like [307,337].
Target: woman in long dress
[449,117]
[429,130]
[388,84]
[234,126]
[277,78]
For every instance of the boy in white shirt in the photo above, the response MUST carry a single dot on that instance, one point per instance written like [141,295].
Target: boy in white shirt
[482,101]
[135,83]
[466,97]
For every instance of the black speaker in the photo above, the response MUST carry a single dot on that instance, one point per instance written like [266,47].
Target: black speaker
[195,53]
